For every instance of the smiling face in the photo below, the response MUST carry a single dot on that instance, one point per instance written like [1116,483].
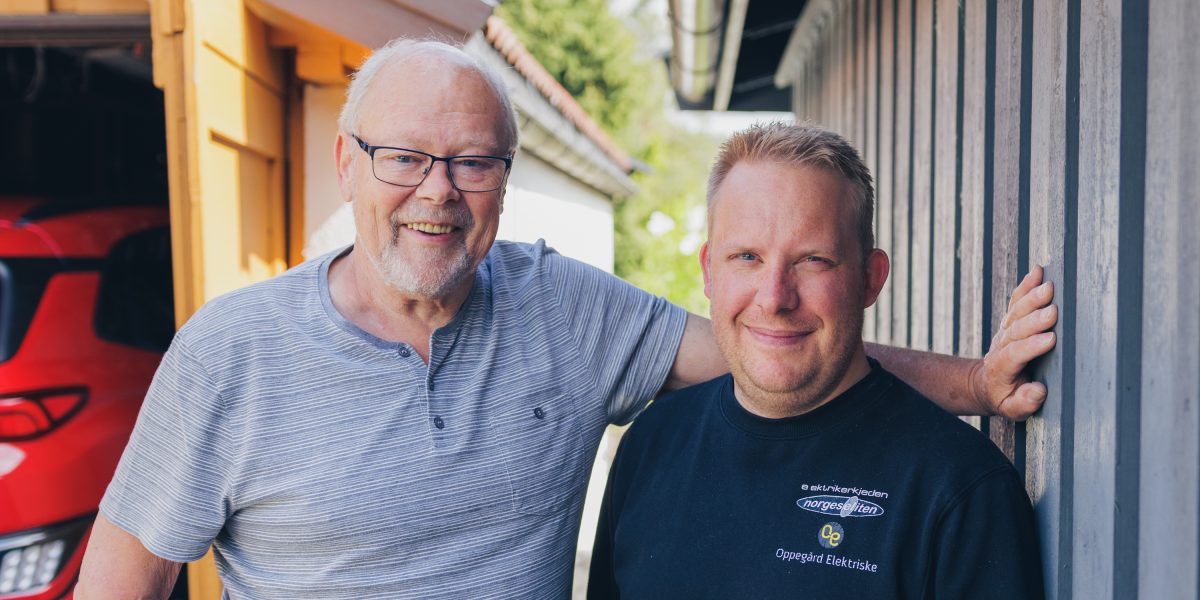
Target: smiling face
[426,240]
[785,272]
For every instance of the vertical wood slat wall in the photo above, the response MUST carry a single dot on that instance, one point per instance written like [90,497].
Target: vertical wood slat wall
[1006,133]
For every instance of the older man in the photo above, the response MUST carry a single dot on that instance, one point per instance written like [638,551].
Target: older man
[810,472]
[414,415]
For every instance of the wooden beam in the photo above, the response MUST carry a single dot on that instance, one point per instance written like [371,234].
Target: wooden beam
[921,223]
[1047,233]
[1169,523]
[1096,316]
[885,175]
[902,156]
[24,7]
[100,6]
[1006,198]
[320,63]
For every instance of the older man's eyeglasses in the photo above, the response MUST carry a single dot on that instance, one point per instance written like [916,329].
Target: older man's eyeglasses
[409,168]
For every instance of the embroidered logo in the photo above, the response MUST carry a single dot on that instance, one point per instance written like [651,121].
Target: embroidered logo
[831,535]
[842,506]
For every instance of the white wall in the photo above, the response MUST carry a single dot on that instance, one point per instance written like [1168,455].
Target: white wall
[328,223]
[572,217]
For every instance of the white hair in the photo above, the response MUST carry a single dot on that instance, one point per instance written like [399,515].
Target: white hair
[404,48]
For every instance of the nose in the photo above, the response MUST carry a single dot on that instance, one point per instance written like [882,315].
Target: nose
[437,186]
[777,291]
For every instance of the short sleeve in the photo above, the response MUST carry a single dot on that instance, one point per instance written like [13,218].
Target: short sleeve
[629,336]
[987,544]
[170,487]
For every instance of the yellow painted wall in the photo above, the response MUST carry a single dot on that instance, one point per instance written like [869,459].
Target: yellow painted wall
[237,123]
[16,7]
[225,94]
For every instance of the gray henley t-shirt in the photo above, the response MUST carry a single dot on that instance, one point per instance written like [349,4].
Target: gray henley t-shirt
[322,462]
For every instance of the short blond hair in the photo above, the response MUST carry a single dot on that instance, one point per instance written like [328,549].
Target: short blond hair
[801,144]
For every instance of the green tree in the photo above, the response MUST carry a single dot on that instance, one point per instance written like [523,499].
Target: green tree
[585,47]
[597,57]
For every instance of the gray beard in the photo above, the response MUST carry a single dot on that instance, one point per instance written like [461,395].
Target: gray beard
[436,280]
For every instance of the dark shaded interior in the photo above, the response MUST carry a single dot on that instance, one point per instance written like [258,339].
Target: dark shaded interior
[85,125]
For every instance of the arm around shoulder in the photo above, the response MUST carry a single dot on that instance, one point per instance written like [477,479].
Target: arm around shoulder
[998,383]
[117,565]
[698,358]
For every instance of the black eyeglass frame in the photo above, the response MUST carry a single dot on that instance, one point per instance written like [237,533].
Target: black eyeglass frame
[370,150]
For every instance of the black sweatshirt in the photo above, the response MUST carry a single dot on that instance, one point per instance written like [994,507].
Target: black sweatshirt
[876,494]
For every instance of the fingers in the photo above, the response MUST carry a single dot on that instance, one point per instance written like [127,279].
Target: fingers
[1016,356]
[1030,281]
[1025,401]
[1036,298]
[1042,319]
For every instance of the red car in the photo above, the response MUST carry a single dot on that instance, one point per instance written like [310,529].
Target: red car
[85,314]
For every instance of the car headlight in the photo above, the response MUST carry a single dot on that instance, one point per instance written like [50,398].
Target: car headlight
[30,560]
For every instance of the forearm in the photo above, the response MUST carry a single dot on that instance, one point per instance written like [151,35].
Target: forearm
[698,358]
[116,565]
[942,378]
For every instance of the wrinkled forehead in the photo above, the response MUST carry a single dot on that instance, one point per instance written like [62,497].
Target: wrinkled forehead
[432,83]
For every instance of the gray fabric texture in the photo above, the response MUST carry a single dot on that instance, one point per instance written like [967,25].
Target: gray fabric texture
[322,462]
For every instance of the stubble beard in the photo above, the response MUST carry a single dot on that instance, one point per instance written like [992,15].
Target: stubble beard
[425,273]
[811,387]
[433,275]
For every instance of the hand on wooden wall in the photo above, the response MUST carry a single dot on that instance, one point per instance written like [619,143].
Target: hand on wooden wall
[1000,381]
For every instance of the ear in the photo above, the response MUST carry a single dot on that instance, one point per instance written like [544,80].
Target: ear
[343,149]
[503,193]
[878,267]
[705,268]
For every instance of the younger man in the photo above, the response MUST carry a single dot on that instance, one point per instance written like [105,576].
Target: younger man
[809,471]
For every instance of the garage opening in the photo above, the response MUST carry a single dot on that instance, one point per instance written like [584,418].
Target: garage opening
[86,301]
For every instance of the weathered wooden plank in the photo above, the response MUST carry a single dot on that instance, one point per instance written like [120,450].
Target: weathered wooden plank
[858,90]
[846,71]
[25,7]
[1170,457]
[972,144]
[922,177]
[1006,167]
[974,156]
[833,70]
[902,192]
[945,177]
[867,85]
[831,81]
[871,126]
[1047,224]
[1095,318]
[885,174]
[849,71]
[1168,558]
[817,111]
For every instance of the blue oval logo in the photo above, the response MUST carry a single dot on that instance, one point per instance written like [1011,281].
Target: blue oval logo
[842,506]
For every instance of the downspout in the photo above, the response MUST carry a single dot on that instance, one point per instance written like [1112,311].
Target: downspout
[696,31]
